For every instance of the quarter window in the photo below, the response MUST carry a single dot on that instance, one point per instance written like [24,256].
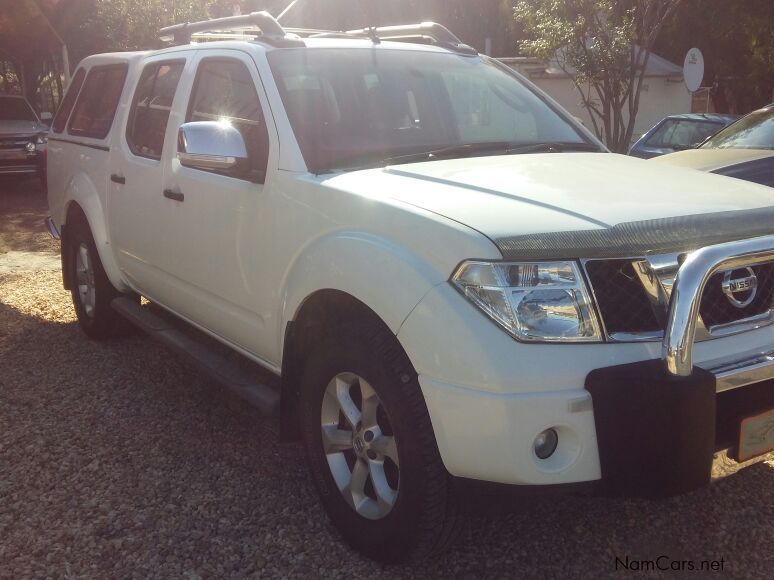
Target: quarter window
[97,102]
[224,91]
[60,120]
[152,104]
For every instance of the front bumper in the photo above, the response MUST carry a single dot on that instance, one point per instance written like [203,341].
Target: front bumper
[21,162]
[642,419]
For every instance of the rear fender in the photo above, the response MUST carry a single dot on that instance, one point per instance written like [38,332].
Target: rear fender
[81,191]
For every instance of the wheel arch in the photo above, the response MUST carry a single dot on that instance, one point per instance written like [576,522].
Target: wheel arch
[83,201]
[322,311]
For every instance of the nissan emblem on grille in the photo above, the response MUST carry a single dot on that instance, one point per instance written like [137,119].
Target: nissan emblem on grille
[740,291]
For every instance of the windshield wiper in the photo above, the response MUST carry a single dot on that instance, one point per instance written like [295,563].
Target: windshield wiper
[465,150]
[497,147]
[549,147]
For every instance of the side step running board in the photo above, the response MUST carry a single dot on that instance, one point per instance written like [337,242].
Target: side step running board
[217,365]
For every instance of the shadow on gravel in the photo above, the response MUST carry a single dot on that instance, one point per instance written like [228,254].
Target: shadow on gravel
[120,460]
[23,210]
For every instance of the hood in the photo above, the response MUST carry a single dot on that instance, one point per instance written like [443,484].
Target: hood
[713,159]
[527,196]
[22,128]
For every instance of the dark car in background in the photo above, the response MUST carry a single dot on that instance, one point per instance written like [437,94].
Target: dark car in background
[22,138]
[678,132]
[744,150]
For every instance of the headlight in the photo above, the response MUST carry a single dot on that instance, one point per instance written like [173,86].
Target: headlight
[30,147]
[42,139]
[533,301]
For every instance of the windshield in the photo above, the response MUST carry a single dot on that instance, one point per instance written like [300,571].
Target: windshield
[681,132]
[359,106]
[13,109]
[754,131]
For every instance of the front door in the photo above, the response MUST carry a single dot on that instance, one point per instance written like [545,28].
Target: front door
[215,248]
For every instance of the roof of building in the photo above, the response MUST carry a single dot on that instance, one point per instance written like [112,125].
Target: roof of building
[657,66]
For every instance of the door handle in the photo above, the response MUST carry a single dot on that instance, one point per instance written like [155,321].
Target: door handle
[175,195]
[115,178]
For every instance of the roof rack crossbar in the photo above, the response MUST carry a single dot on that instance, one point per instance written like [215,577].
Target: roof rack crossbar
[181,33]
[438,33]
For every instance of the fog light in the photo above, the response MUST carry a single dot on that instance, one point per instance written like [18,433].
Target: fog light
[545,443]
[30,147]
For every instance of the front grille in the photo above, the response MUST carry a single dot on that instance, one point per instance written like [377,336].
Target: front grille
[625,306]
[716,308]
[11,143]
[621,298]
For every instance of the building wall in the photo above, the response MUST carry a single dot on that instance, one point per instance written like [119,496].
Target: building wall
[661,96]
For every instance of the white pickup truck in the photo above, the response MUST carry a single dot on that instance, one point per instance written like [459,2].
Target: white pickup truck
[453,280]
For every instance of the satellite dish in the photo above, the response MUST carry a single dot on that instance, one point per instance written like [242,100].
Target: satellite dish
[693,69]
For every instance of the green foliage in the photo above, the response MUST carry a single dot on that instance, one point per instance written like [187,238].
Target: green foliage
[604,45]
[116,25]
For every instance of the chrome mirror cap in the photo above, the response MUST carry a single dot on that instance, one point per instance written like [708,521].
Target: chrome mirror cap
[210,145]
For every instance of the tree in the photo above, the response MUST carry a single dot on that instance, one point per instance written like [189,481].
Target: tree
[604,46]
[737,39]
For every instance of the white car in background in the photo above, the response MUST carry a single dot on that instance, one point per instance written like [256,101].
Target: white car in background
[744,149]
[448,277]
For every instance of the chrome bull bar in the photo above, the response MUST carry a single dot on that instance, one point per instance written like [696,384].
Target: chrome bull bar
[692,277]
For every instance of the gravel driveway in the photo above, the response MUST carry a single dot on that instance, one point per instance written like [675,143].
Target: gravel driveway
[119,460]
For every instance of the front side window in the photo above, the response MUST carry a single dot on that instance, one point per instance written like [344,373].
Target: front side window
[69,102]
[16,109]
[356,107]
[98,101]
[754,131]
[151,106]
[224,91]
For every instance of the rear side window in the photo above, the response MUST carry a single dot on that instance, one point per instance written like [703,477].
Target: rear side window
[152,104]
[69,101]
[98,101]
[224,91]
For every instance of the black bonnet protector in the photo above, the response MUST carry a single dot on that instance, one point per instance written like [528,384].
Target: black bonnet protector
[640,238]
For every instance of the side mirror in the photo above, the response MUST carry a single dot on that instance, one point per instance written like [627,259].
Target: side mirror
[210,145]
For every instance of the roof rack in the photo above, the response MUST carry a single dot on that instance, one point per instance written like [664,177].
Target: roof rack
[433,32]
[270,29]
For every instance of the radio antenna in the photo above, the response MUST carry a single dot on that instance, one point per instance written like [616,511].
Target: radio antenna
[371,19]
[287,9]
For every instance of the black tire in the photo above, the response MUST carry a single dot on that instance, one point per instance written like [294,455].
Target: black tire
[425,518]
[97,319]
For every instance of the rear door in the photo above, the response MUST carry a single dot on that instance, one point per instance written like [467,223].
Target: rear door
[137,171]
[79,144]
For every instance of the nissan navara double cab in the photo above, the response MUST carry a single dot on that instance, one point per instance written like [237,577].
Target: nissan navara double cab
[449,277]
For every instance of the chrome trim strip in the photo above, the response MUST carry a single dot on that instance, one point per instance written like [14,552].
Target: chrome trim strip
[742,370]
[752,323]
[692,277]
[53,229]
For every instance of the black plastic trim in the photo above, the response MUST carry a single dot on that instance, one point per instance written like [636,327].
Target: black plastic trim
[655,431]
[640,238]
